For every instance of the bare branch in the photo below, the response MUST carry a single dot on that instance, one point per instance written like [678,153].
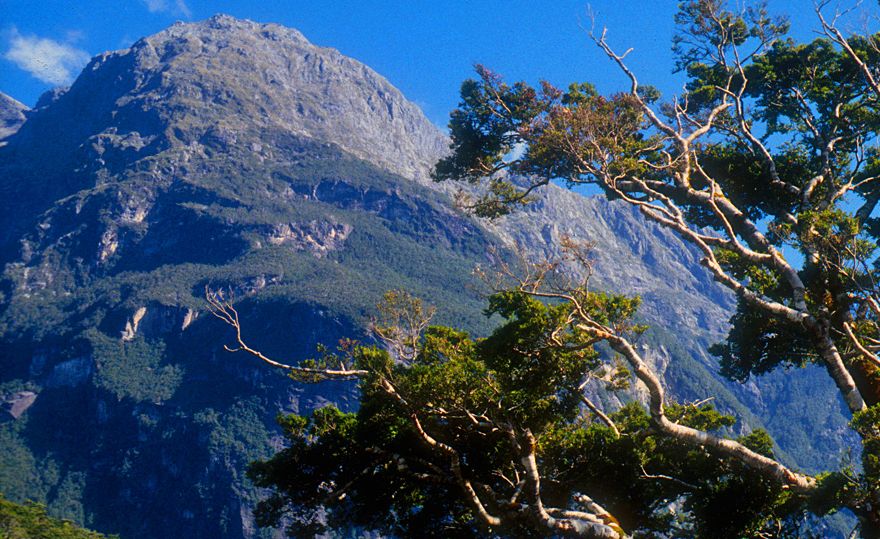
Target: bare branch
[867,354]
[798,482]
[601,415]
[466,486]
[224,310]
[830,29]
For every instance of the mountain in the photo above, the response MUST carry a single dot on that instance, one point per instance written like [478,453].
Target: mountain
[11,115]
[238,156]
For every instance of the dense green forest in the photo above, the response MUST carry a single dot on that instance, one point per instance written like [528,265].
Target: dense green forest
[30,521]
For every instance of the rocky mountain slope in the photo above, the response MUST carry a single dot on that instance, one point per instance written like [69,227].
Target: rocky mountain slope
[11,115]
[237,155]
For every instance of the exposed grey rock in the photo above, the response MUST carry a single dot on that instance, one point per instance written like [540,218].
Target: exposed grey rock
[18,403]
[50,96]
[223,76]
[631,256]
[188,318]
[157,320]
[318,237]
[131,326]
[11,116]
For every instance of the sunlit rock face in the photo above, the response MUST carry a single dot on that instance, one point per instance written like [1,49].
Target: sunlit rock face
[11,116]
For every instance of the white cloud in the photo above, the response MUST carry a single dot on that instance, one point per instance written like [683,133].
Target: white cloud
[46,59]
[73,36]
[154,6]
[177,7]
[183,8]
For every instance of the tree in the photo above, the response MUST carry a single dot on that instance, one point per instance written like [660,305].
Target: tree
[469,437]
[772,151]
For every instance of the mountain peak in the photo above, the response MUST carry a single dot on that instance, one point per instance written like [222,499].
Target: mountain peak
[224,75]
[228,23]
[221,21]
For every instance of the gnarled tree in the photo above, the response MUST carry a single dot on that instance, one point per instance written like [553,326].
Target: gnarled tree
[768,164]
[485,437]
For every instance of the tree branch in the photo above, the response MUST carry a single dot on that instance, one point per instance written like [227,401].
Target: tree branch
[225,311]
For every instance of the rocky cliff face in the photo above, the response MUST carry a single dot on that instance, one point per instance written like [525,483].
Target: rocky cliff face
[11,116]
[239,156]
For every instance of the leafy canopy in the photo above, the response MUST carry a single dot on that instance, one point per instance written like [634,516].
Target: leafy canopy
[767,164]
[372,469]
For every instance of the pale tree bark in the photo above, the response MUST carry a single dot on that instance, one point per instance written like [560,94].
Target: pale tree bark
[661,207]
[582,320]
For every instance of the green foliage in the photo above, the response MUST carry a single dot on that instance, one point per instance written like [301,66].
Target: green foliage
[643,472]
[372,469]
[769,166]
[238,435]
[704,417]
[757,344]
[132,369]
[21,472]
[758,441]
[30,521]
[494,119]
[867,423]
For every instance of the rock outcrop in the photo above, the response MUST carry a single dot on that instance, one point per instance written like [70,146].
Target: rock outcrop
[11,116]
[18,403]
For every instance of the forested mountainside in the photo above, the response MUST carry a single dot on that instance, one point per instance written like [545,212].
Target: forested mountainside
[235,155]
[30,521]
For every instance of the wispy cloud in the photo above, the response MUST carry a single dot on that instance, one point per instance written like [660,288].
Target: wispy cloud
[46,59]
[174,7]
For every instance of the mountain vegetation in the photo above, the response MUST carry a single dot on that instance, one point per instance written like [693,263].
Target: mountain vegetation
[30,521]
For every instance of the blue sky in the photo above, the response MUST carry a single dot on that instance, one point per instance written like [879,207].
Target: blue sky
[424,48]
